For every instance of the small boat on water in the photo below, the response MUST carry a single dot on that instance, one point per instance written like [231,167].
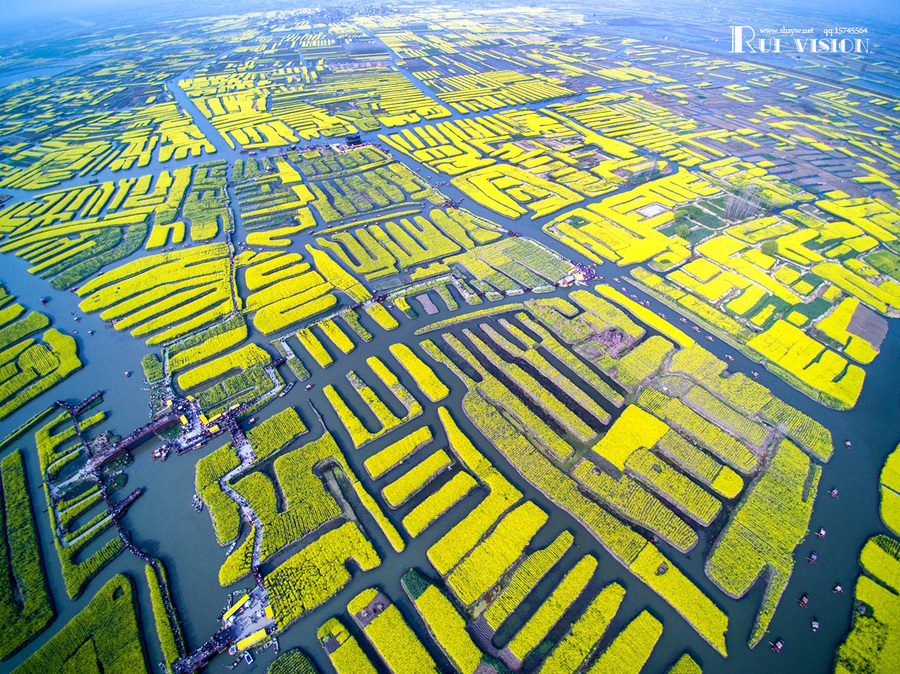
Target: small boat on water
[709,338]
[812,557]
[848,444]
[837,589]
[661,315]
[198,503]
[755,374]
[821,532]
[253,420]
[287,389]
[44,300]
[777,645]
[815,625]
[248,658]
[729,357]
[309,386]
[833,492]
[804,600]
[127,373]
[682,319]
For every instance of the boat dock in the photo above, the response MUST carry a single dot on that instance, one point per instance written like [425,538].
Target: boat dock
[220,641]
[248,623]
[118,509]
[75,410]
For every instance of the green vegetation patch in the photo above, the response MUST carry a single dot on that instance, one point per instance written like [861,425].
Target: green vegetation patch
[293,661]
[25,604]
[104,637]
[873,644]
[164,628]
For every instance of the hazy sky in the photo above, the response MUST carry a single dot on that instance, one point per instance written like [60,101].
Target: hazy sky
[814,10]
[18,10]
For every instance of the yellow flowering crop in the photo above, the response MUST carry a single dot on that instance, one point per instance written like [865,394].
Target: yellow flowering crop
[548,614]
[525,578]
[436,504]
[585,633]
[394,454]
[407,485]
[347,657]
[634,429]
[423,375]
[631,648]
[490,559]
